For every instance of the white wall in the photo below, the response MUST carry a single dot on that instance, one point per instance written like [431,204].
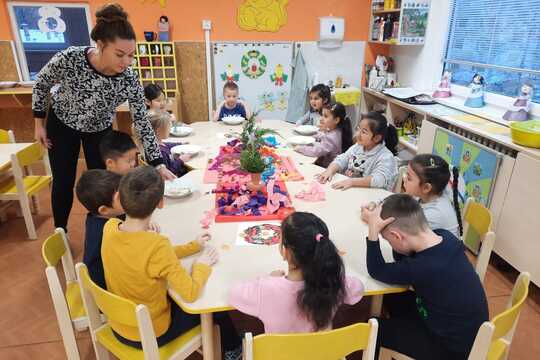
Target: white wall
[420,67]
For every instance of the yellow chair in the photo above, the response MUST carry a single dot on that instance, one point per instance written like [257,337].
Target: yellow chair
[126,312]
[7,137]
[494,337]
[20,187]
[68,306]
[324,345]
[477,234]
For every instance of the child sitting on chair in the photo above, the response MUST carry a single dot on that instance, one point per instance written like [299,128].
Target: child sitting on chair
[155,99]
[319,97]
[427,179]
[141,264]
[119,152]
[161,123]
[370,162]
[96,190]
[306,297]
[440,318]
[334,138]
[231,105]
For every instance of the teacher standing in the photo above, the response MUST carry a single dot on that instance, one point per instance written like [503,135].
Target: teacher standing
[89,84]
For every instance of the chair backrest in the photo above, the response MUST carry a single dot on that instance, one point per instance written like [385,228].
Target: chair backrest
[30,154]
[333,344]
[56,248]
[477,222]
[6,136]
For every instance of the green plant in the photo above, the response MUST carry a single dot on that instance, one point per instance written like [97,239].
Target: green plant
[251,161]
[252,136]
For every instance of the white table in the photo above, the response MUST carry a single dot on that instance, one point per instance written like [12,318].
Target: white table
[179,220]
[6,150]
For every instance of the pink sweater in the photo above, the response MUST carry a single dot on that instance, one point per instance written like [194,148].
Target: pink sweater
[273,300]
[325,149]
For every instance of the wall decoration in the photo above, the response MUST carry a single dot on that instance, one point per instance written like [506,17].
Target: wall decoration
[229,74]
[478,165]
[262,15]
[50,20]
[278,77]
[163,28]
[162,3]
[253,64]
[250,65]
[414,19]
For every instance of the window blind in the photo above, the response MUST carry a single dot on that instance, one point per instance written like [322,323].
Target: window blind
[500,39]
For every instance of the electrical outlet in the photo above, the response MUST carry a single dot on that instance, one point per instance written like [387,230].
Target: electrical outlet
[207,24]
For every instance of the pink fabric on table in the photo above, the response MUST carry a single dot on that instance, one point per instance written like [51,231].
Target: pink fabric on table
[208,218]
[273,300]
[315,192]
[274,199]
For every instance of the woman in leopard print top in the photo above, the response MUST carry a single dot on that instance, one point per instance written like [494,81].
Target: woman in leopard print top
[87,86]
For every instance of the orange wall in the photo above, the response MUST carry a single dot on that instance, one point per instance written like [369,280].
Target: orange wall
[186,17]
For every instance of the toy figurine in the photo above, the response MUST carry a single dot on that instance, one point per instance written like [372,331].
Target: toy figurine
[521,107]
[476,96]
[163,28]
[443,89]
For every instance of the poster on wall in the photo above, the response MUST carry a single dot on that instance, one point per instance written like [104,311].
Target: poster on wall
[413,22]
[478,165]
[262,72]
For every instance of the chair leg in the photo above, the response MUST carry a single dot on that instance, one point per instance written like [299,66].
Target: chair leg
[35,205]
[27,214]
[101,352]
[217,342]
[376,305]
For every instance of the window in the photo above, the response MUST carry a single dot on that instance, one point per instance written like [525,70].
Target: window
[43,29]
[500,39]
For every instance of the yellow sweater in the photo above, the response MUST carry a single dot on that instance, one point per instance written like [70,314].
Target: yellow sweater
[139,265]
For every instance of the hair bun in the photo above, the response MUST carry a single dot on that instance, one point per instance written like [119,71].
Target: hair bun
[111,13]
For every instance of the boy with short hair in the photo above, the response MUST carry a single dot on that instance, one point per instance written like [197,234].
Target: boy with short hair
[119,152]
[231,105]
[440,319]
[140,264]
[96,190]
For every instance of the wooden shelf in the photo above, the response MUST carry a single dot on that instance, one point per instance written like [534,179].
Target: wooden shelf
[382,12]
[403,141]
[383,42]
[163,74]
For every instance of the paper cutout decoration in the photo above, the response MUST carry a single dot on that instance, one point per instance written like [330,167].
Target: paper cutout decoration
[266,100]
[262,15]
[50,20]
[253,64]
[162,3]
[282,100]
[229,74]
[278,77]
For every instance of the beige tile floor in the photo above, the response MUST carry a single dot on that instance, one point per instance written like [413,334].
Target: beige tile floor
[28,328]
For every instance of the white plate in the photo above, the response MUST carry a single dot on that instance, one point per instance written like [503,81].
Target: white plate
[306,129]
[186,149]
[301,140]
[26,83]
[181,131]
[179,188]
[233,120]
[7,84]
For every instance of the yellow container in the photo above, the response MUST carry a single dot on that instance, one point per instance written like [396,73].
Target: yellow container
[526,133]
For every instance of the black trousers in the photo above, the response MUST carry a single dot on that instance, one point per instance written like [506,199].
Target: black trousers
[406,332]
[63,155]
[182,322]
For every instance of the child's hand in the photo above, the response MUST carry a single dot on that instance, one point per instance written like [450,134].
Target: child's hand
[343,185]
[324,177]
[371,214]
[208,257]
[277,273]
[203,239]
[154,227]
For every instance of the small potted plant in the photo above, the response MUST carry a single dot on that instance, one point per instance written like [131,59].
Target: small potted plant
[252,135]
[252,162]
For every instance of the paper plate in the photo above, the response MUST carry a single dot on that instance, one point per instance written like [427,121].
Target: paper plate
[233,120]
[179,188]
[301,140]
[306,129]
[186,149]
[181,131]
[7,84]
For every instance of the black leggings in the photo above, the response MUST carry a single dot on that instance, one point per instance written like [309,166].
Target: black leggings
[182,322]
[63,155]
[406,333]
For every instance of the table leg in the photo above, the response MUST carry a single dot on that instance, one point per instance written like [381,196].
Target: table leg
[376,305]
[207,325]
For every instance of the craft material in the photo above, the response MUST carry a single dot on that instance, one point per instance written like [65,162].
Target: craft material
[258,233]
[315,192]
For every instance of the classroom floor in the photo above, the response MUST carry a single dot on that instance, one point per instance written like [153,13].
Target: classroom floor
[28,328]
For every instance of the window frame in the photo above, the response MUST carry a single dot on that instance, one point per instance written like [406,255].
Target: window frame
[21,55]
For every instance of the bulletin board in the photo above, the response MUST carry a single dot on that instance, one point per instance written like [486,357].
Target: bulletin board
[262,72]
[326,64]
[478,165]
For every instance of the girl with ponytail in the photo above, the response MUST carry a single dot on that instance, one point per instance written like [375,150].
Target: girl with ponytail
[427,178]
[306,297]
